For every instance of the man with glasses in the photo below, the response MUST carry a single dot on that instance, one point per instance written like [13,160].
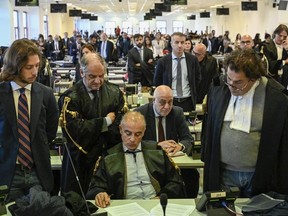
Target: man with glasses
[91,111]
[181,72]
[245,143]
[246,42]
[166,124]
[277,56]
[209,70]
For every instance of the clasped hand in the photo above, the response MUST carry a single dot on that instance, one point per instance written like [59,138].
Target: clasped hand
[102,200]
[170,146]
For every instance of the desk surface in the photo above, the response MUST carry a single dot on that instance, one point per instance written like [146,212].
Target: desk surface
[184,162]
[149,204]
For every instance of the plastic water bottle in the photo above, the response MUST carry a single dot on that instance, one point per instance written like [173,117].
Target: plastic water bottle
[139,94]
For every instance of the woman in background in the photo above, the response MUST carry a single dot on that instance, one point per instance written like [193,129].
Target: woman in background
[188,46]
[237,41]
[85,49]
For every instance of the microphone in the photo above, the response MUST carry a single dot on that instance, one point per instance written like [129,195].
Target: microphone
[163,202]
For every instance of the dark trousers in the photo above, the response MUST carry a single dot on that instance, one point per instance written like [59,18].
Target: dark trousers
[23,180]
[191,180]
[185,103]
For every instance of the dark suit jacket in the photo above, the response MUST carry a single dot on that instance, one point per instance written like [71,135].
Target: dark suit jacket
[209,70]
[109,50]
[163,73]
[143,73]
[270,51]
[43,127]
[60,55]
[176,126]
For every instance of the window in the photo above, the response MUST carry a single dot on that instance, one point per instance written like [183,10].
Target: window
[178,26]
[127,27]
[144,27]
[45,19]
[25,24]
[161,26]
[110,28]
[16,24]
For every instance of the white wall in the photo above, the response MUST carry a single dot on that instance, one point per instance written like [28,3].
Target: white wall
[264,20]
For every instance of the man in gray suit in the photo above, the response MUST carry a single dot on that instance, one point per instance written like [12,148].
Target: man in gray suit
[28,122]
[176,135]
[181,72]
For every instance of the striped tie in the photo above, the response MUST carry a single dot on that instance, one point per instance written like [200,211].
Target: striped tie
[24,154]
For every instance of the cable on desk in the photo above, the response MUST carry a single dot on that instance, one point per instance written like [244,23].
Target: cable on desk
[229,209]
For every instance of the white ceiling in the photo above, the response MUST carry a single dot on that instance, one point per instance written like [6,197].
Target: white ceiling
[133,7]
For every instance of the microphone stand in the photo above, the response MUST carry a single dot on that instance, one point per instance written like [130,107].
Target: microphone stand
[64,141]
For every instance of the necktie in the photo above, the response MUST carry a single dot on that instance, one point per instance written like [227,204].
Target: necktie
[24,153]
[133,152]
[103,50]
[140,53]
[161,136]
[179,89]
[96,100]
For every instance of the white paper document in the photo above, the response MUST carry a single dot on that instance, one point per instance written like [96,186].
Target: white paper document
[173,210]
[131,209]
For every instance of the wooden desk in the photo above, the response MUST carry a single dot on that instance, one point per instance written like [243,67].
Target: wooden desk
[184,162]
[115,76]
[187,162]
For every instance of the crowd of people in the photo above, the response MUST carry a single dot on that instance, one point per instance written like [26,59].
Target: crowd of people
[244,142]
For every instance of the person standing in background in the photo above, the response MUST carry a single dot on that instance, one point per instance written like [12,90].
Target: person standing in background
[181,72]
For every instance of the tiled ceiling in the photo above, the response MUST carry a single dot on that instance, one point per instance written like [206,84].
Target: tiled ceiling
[133,7]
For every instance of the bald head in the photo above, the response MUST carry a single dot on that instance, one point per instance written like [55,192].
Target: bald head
[163,100]
[246,42]
[199,51]
[163,90]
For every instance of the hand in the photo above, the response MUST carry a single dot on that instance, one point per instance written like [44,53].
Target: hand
[102,200]
[170,146]
[138,64]
[112,116]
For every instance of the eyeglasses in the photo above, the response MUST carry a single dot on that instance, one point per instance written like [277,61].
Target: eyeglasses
[226,80]
[246,42]
[196,53]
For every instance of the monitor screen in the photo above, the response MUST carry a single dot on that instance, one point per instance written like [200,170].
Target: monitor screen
[249,6]
[155,13]
[85,16]
[75,13]
[192,17]
[161,7]
[282,5]
[93,18]
[175,2]
[204,14]
[26,2]
[58,8]
[222,11]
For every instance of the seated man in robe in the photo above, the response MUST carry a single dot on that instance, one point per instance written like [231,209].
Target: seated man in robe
[134,169]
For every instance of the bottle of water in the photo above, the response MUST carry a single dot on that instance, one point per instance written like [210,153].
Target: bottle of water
[139,94]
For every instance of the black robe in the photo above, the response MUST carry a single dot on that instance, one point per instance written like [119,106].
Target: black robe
[271,172]
[86,130]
